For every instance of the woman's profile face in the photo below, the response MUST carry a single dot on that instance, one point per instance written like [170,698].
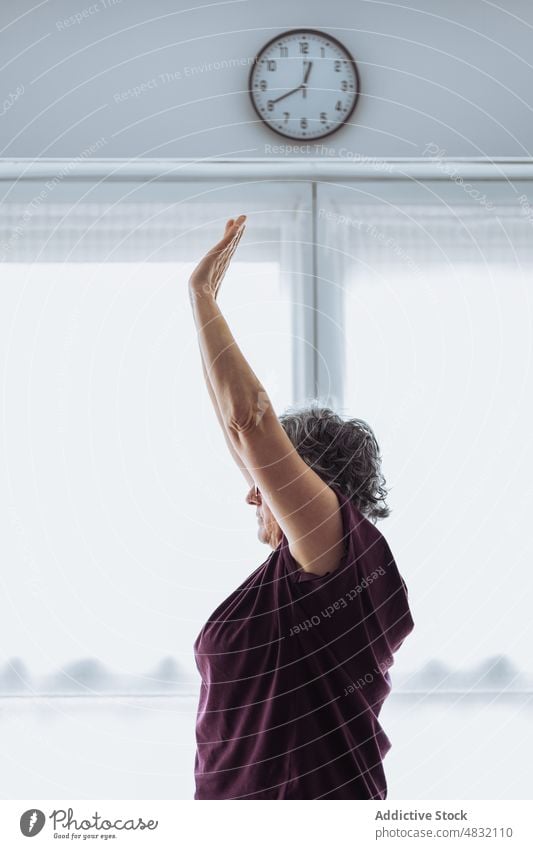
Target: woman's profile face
[268,530]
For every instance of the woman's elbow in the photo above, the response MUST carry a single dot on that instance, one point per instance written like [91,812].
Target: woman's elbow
[242,422]
[250,417]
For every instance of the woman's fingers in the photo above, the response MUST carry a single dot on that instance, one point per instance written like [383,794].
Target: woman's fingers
[223,244]
[232,228]
[234,224]
[224,259]
[227,254]
[235,242]
[231,240]
[224,249]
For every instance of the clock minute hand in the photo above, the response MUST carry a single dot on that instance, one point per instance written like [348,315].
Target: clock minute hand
[287,94]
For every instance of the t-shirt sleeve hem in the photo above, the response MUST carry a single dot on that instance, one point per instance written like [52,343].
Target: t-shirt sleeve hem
[299,575]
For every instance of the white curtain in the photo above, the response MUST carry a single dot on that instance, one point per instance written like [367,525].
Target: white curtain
[436,337]
[367,237]
[143,232]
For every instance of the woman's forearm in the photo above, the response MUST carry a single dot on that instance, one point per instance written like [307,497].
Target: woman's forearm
[239,394]
[236,456]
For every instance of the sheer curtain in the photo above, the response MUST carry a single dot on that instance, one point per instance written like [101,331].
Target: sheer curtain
[125,231]
[437,338]
[434,296]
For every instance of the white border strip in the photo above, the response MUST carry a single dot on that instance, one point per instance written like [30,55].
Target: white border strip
[261,822]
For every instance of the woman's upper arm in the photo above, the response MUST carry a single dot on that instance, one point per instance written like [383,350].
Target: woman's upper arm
[229,442]
[306,508]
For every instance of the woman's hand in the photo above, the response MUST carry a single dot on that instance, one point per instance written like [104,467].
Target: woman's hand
[209,273]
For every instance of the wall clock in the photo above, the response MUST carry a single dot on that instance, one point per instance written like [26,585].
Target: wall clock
[304,84]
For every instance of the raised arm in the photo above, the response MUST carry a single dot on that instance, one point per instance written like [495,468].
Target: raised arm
[229,443]
[215,289]
[306,509]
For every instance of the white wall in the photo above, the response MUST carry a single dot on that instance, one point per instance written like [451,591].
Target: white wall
[452,73]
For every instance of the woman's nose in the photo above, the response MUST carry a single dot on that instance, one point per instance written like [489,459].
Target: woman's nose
[253,496]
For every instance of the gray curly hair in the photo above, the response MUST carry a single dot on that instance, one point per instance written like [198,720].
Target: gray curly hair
[344,453]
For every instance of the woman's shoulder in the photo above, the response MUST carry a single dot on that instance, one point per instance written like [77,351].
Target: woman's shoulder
[355,523]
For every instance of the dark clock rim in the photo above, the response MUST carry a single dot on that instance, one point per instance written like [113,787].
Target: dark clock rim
[350,59]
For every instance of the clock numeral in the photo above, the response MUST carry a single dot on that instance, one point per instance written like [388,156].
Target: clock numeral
[322,52]
[337,65]
[303,123]
[344,85]
[283,52]
[270,105]
[338,106]
[304,47]
[323,117]
[286,116]
[263,85]
[271,64]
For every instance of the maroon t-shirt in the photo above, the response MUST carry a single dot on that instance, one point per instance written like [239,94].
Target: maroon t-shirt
[294,672]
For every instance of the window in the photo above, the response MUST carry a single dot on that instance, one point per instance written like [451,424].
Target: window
[435,346]
[124,504]
[401,302]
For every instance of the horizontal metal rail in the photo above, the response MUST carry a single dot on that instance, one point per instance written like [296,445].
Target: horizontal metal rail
[286,168]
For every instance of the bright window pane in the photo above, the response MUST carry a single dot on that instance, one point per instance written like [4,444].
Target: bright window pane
[125,521]
[439,363]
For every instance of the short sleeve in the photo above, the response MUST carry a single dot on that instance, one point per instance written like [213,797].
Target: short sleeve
[346,567]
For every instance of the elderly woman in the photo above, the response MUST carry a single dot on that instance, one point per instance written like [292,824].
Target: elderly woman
[294,663]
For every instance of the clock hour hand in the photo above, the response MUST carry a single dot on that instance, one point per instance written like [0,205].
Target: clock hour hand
[306,77]
[286,95]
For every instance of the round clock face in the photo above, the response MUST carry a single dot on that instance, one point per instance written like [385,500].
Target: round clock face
[304,84]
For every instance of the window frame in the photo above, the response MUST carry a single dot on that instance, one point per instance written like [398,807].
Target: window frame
[318,299]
